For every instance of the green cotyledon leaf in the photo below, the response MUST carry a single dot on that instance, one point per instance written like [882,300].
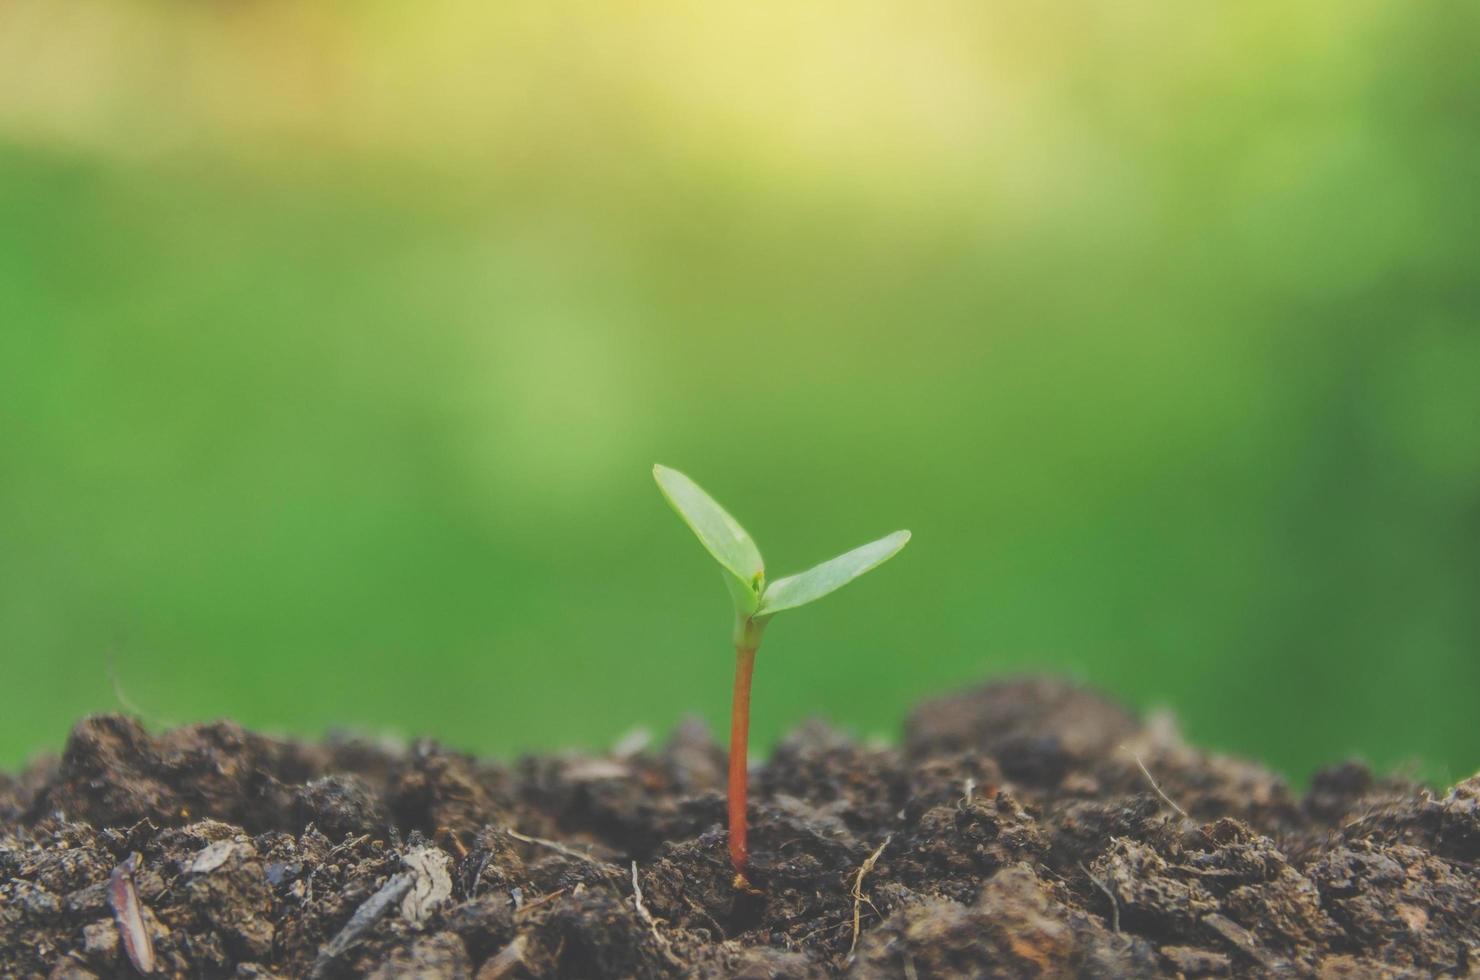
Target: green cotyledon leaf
[818,581]
[721,535]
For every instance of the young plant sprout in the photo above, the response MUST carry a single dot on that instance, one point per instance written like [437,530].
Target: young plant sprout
[756,601]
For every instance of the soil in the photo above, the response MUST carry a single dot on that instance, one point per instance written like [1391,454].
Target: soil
[1012,833]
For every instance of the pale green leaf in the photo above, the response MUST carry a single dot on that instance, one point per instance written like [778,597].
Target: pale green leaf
[721,535]
[818,581]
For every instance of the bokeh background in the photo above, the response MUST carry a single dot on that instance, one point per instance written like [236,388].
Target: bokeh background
[337,341]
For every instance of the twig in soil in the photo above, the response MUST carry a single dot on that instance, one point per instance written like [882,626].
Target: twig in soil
[452,843]
[1114,903]
[478,876]
[561,848]
[344,846]
[542,900]
[858,896]
[502,963]
[1154,785]
[1238,937]
[365,916]
[129,912]
[819,931]
[703,913]
[646,916]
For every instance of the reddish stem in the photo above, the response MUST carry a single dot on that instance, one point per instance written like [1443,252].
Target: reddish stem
[739,739]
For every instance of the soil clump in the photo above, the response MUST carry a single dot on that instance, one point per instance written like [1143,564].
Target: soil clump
[1028,828]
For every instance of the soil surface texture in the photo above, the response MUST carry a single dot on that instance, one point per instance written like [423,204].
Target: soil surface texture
[1025,829]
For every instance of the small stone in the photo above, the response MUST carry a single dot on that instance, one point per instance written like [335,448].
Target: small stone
[212,857]
[100,939]
[1194,962]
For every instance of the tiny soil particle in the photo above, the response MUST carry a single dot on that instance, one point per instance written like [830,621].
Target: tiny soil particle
[1013,833]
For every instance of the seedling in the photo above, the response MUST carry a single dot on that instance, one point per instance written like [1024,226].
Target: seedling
[756,601]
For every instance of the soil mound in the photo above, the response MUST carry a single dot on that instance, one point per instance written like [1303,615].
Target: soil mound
[1026,829]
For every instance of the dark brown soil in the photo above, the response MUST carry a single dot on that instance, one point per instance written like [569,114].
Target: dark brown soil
[1012,834]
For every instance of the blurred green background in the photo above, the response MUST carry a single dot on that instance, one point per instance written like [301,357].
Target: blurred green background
[337,342]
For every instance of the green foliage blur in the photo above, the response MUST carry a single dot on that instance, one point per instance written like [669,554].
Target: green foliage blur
[337,343]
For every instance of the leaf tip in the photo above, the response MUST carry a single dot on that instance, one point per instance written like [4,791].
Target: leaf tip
[669,480]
